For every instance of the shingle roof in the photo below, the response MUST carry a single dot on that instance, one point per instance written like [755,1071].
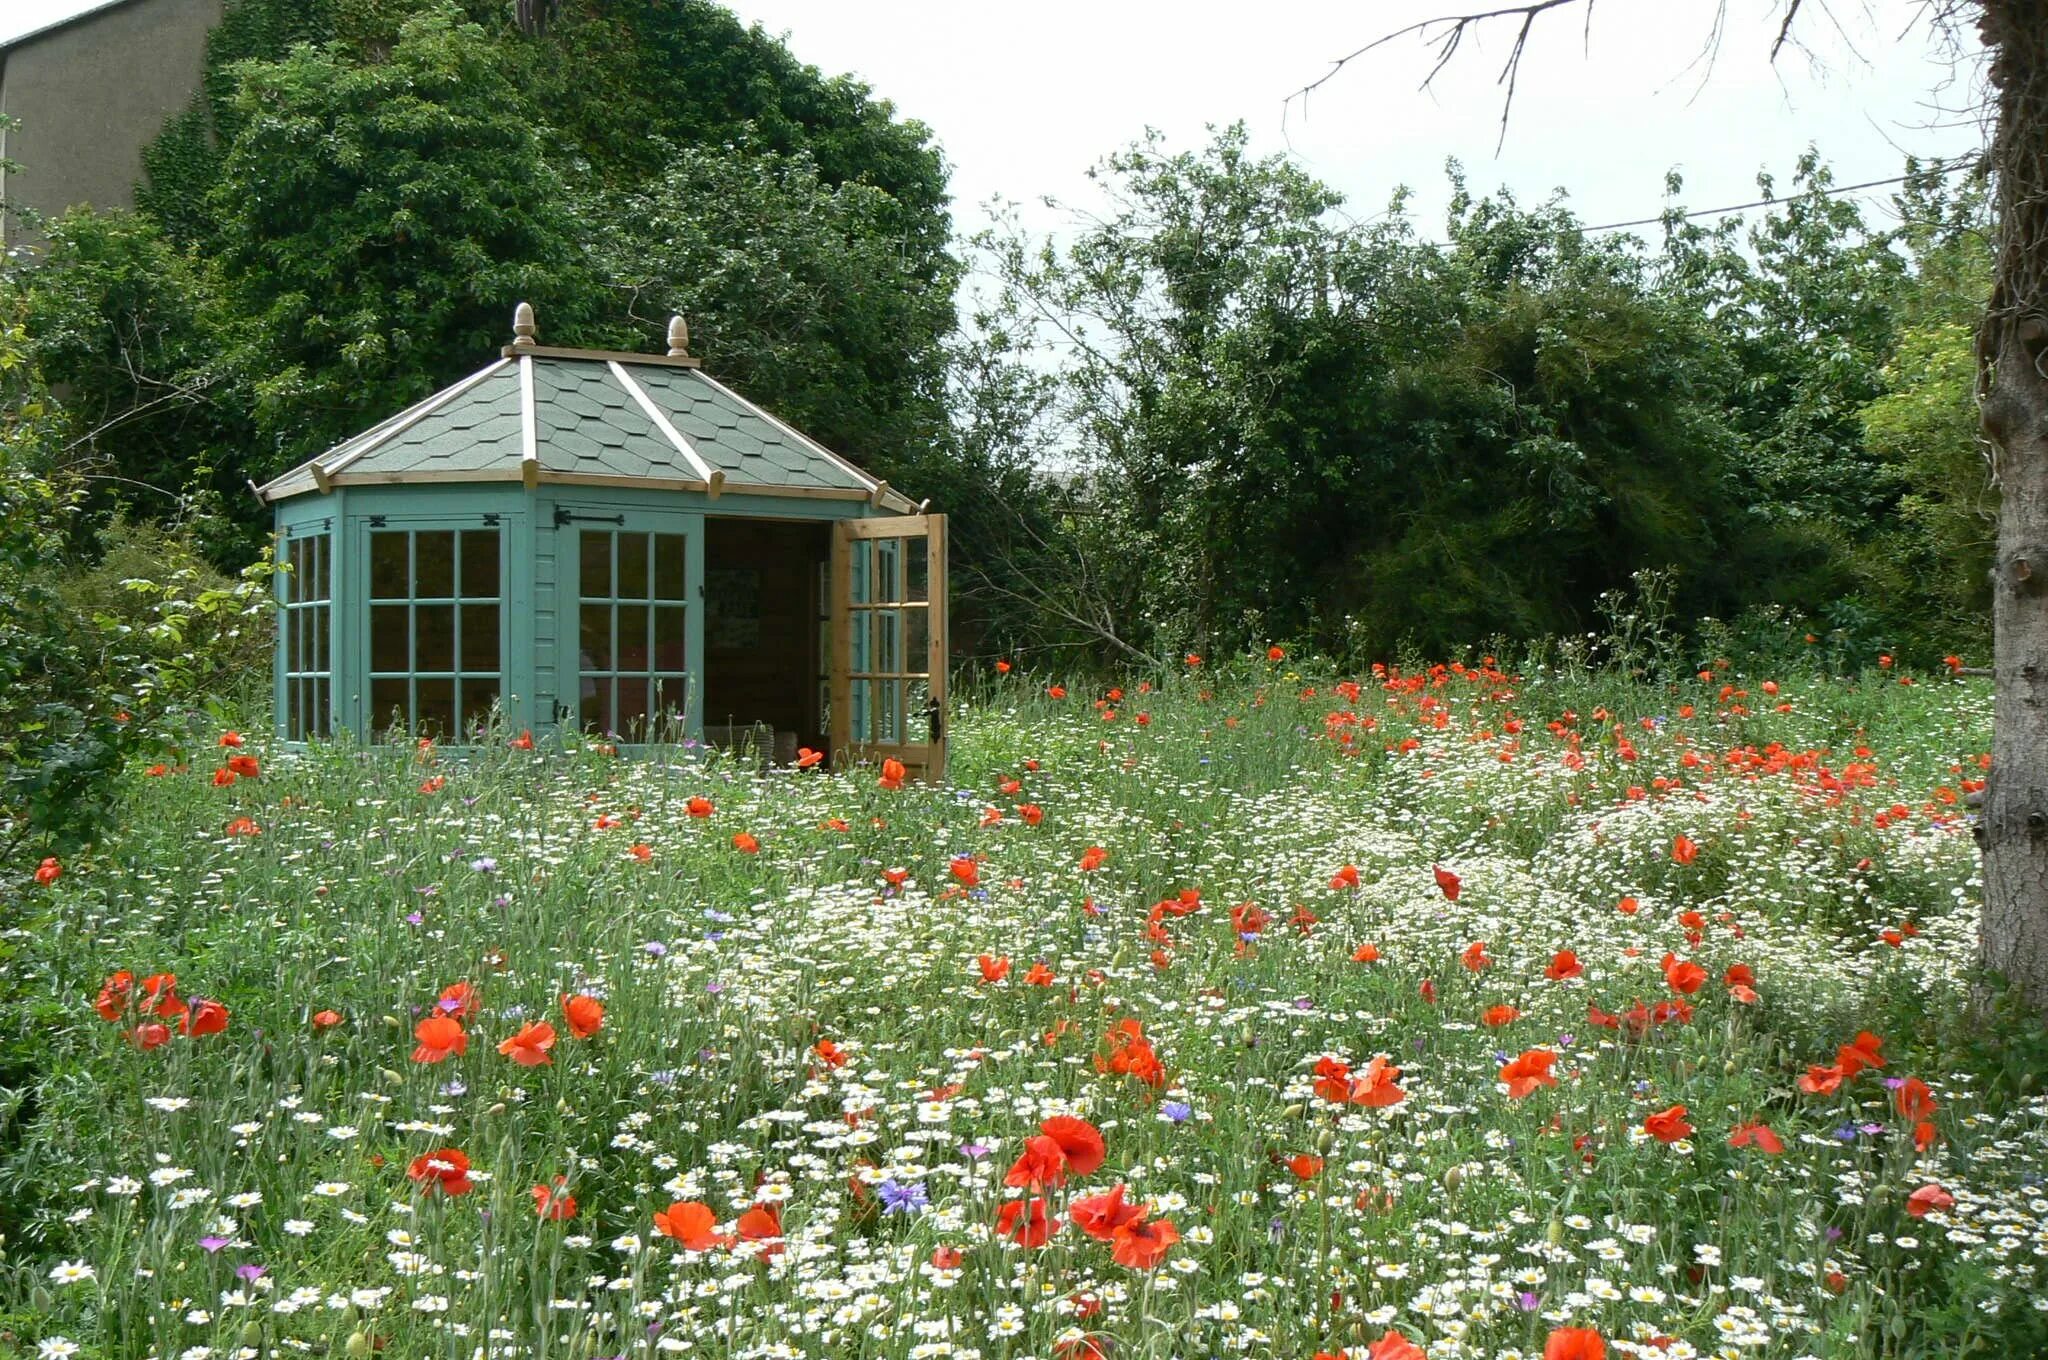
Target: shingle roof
[607,419]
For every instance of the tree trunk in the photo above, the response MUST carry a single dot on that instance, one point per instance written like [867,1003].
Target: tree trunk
[2012,350]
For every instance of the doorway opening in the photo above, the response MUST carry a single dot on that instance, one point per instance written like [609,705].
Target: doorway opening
[767,610]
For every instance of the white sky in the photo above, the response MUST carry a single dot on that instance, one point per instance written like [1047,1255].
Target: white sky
[1025,97]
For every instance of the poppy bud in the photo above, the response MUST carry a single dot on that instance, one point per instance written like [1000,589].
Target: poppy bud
[1326,1140]
[498,1108]
[1454,1178]
[252,1335]
[1553,1232]
[1728,1068]
[390,1077]
[562,1106]
[1292,1112]
[394,1022]
[357,1346]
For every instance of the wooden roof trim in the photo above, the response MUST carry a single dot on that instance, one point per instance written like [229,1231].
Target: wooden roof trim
[714,480]
[620,356]
[502,473]
[529,425]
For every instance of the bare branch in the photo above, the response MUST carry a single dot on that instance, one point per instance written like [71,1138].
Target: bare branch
[1785,28]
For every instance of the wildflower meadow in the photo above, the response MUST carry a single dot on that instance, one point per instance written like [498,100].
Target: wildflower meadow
[1259,1009]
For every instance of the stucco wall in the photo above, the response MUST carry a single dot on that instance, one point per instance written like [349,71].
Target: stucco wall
[90,95]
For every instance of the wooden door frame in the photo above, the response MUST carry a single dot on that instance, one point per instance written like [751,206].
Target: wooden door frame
[926,759]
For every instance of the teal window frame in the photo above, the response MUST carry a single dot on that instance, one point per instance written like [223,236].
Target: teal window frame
[593,682]
[305,632]
[459,599]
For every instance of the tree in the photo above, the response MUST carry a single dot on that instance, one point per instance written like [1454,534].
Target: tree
[2012,393]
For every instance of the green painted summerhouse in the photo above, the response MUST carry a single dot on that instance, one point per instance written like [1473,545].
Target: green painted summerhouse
[580,543]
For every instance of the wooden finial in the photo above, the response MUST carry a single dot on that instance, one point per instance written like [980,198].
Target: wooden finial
[678,338]
[522,325]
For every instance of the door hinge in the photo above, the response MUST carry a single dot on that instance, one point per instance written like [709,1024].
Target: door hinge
[491,518]
[568,517]
[376,521]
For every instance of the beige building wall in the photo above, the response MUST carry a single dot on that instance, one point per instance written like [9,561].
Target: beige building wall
[90,95]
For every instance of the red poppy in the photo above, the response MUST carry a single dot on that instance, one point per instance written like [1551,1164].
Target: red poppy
[692,1224]
[1683,975]
[1820,1081]
[762,1223]
[1038,975]
[746,844]
[806,757]
[150,1035]
[1668,1126]
[438,1036]
[446,1171]
[1575,1343]
[947,1258]
[205,1017]
[1275,654]
[326,1019]
[1861,1052]
[458,999]
[1040,1164]
[114,996]
[1144,1244]
[1627,906]
[1002,667]
[1346,877]
[1093,858]
[231,738]
[1927,1199]
[1025,1220]
[1100,1216]
[700,807]
[1475,956]
[993,969]
[1564,964]
[1080,1142]
[1449,882]
[529,1047]
[1916,1099]
[1394,1346]
[49,871]
[1366,953]
[1503,1014]
[245,766]
[1529,1071]
[829,1053]
[243,826]
[1756,1134]
[553,1203]
[1684,849]
[585,1014]
[893,774]
[965,871]
[1305,1166]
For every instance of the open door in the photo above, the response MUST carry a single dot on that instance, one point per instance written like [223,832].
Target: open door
[888,662]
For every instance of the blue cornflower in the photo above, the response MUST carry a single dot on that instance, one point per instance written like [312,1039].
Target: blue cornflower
[902,1199]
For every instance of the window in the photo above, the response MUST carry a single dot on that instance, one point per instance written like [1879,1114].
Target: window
[890,603]
[631,660]
[306,636]
[436,619]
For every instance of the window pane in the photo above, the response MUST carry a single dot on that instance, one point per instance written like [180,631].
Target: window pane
[917,649]
[479,638]
[436,714]
[668,566]
[320,725]
[917,722]
[860,710]
[633,567]
[478,694]
[863,640]
[322,568]
[320,624]
[390,638]
[670,697]
[889,710]
[888,654]
[433,564]
[388,572]
[631,720]
[634,626]
[388,704]
[596,638]
[596,576]
[917,569]
[296,584]
[480,564]
[291,629]
[668,637]
[888,569]
[860,572]
[433,638]
[594,708]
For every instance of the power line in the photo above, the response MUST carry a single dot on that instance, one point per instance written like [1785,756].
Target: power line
[1734,208]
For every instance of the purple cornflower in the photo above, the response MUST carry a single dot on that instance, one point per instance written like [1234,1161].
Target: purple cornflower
[1177,1111]
[213,1244]
[974,1152]
[902,1199]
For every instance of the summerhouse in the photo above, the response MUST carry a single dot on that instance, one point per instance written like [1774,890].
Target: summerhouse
[616,545]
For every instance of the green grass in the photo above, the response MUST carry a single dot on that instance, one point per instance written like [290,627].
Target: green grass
[1470,1222]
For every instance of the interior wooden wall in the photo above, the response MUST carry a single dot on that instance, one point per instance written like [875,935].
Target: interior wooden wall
[775,681]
